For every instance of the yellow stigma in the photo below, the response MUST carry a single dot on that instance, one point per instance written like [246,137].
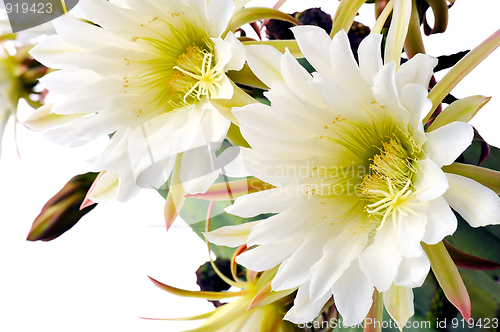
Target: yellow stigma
[389,188]
[198,73]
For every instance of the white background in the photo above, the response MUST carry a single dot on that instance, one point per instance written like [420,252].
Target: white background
[94,278]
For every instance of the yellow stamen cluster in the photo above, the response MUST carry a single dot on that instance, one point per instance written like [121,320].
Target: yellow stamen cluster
[196,72]
[389,187]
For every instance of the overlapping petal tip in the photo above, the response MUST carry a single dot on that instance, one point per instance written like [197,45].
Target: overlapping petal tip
[398,301]
[231,236]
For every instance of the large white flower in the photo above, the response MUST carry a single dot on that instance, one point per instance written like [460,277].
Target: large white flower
[359,183]
[145,71]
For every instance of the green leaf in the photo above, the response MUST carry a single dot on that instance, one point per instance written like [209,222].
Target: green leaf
[461,110]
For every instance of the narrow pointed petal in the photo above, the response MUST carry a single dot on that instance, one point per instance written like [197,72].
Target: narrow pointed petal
[211,296]
[266,296]
[380,261]
[398,301]
[461,69]
[176,195]
[397,32]
[338,254]
[462,110]
[305,310]
[231,236]
[103,189]
[43,119]
[449,278]
[265,63]
[370,57]
[231,190]
[314,42]
[267,256]
[353,287]
[248,15]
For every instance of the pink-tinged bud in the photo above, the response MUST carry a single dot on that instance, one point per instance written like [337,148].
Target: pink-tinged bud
[62,211]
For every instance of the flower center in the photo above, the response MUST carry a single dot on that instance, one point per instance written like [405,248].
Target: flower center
[197,75]
[389,187]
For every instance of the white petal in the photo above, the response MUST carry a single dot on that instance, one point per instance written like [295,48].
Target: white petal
[290,224]
[199,184]
[213,125]
[445,144]
[110,16]
[231,236]
[238,57]
[353,295]
[297,79]
[441,220]
[127,187]
[268,201]
[219,13]
[294,271]
[370,56]
[93,98]
[398,301]
[68,80]
[304,114]
[265,62]
[267,121]
[414,98]
[478,205]
[384,90]
[104,188]
[418,69]
[51,50]
[163,136]
[430,181]
[43,119]
[88,36]
[314,43]
[380,261]
[345,68]
[412,271]
[341,102]
[155,176]
[304,310]
[411,230]
[267,256]
[338,253]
